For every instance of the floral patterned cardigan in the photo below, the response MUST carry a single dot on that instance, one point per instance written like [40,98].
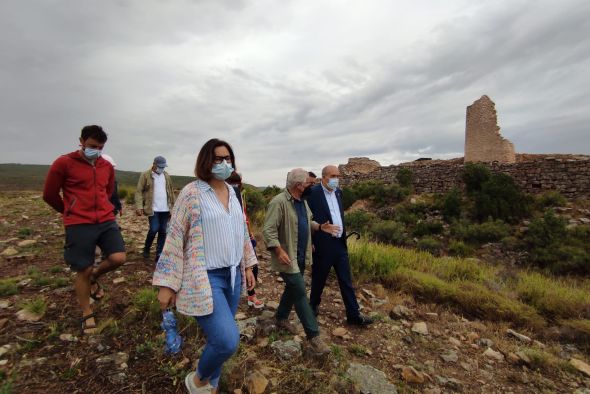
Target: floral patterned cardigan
[182,265]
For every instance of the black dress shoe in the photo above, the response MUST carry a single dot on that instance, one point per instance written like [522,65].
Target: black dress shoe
[360,320]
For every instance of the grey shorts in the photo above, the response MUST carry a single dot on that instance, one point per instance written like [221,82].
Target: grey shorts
[82,239]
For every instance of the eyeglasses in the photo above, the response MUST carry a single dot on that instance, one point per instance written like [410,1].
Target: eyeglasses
[219,159]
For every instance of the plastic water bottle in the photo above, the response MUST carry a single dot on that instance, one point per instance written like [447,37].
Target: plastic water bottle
[173,338]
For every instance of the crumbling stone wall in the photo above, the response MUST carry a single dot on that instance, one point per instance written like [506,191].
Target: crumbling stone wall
[483,141]
[567,174]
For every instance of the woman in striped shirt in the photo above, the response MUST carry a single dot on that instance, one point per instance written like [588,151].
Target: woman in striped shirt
[207,261]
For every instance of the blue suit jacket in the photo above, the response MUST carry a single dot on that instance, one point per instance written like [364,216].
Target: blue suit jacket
[324,242]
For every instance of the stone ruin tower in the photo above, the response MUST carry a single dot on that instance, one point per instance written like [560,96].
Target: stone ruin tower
[483,141]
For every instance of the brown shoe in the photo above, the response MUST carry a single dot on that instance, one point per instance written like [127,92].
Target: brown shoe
[287,326]
[318,345]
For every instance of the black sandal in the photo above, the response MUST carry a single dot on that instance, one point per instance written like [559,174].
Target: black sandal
[94,294]
[87,326]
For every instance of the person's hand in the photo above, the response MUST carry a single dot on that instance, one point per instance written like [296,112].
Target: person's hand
[139,212]
[282,256]
[250,279]
[331,229]
[166,297]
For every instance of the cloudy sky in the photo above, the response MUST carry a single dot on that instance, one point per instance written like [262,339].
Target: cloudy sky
[290,83]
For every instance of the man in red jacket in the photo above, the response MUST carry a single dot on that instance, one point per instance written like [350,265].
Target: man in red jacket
[86,181]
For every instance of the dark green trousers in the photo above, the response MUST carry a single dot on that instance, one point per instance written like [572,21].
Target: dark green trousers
[295,295]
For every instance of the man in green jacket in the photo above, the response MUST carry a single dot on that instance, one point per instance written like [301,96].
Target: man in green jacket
[154,198]
[287,233]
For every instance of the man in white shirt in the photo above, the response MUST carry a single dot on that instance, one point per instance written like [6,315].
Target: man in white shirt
[154,198]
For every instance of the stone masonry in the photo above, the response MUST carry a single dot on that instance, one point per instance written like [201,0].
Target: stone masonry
[567,174]
[483,142]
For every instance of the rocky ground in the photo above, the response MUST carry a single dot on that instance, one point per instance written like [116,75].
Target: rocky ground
[412,348]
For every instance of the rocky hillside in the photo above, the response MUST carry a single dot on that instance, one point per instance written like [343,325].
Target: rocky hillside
[412,348]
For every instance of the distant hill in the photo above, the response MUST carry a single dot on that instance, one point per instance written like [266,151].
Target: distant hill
[32,177]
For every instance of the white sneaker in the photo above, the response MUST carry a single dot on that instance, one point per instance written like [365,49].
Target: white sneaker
[189,382]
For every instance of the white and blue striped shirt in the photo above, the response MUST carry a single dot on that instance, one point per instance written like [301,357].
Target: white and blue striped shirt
[223,231]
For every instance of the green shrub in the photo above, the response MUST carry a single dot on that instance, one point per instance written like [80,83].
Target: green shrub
[146,301]
[474,176]
[8,286]
[460,249]
[255,200]
[404,177]
[428,228]
[480,233]
[348,197]
[270,191]
[389,231]
[24,232]
[546,231]
[510,243]
[377,192]
[358,220]
[37,306]
[500,198]
[550,199]
[452,205]
[429,244]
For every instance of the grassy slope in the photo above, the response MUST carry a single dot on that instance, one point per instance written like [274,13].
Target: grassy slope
[32,177]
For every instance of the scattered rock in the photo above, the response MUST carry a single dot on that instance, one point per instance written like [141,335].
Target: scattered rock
[272,305]
[400,312]
[286,350]
[370,380]
[432,315]
[581,366]
[411,375]
[518,336]
[248,327]
[9,252]
[451,383]
[491,353]
[183,363]
[5,349]
[68,338]
[119,359]
[240,316]
[121,279]
[26,242]
[485,342]
[4,304]
[450,357]
[256,382]
[26,315]
[118,378]
[478,326]
[340,332]
[3,363]
[420,328]
[472,336]
[3,323]
[455,341]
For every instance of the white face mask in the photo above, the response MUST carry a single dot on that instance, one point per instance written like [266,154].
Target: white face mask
[333,183]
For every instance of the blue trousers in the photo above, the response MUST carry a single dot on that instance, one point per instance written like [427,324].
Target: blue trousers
[158,224]
[223,335]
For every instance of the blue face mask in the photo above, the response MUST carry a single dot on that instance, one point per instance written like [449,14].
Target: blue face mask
[222,171]
[333,183]
[92,154]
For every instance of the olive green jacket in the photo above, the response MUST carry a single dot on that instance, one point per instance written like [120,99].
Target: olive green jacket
[280,229]
[144,193]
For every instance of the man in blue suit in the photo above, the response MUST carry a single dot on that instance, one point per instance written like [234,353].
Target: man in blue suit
[330,250]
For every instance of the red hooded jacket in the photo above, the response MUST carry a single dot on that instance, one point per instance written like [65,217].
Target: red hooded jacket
[86,189]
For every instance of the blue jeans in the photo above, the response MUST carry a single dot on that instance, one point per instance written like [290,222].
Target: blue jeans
[158,224]
[223,335]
